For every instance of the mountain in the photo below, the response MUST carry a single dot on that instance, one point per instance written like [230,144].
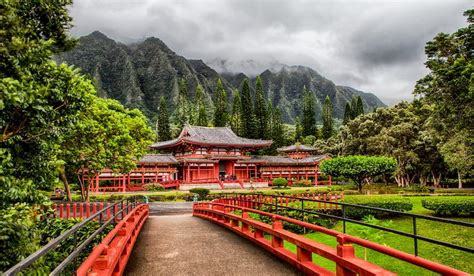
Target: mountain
[138,74]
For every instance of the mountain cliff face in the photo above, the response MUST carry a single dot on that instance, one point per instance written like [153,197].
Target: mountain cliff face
[138,75]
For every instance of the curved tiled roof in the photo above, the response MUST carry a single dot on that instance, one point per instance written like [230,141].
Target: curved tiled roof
[297,147]
[211,136]
[283,160]
[158,159]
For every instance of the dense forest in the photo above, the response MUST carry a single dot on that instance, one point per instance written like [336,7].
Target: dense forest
[54,126]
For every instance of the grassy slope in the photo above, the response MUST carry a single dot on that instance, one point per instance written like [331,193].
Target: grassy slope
[436,230]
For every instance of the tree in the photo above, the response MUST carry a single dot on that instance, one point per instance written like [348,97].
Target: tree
[458,156]
[261,113]
[360,106]
[183,107]
[328,122]
[248,114]
[298,130]
[278,135]
[163,123]
[347,114]
[353,107]
[106,135]
[39,100]
[220,103]
[358,167]
[309,113]
[236,116]
[201,115]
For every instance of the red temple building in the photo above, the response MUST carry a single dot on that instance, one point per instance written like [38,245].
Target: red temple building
[215,158]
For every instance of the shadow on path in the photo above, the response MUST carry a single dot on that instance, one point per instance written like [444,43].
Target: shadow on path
[185,245]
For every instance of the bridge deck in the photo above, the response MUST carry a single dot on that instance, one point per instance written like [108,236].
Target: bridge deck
[186,245]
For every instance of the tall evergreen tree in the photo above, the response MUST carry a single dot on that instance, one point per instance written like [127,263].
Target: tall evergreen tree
[247,115]
[347,114]
[270,117]
[328,124]
[278,135]
[163,123]
[221,115]
[360,106]
[261,114]
[354,107]
[298,130]
[309,113]
[183,107]
[236,116]
[200,117]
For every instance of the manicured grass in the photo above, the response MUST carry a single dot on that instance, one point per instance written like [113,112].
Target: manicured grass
[459,235]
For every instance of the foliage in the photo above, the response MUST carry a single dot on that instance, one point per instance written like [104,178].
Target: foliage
[347,114]
[236,115]
[394,203]
[359,107]
[153,187]
[309,113]
[247,114]
[221,116]
[298,130]
[200,119]
[358,167]
[182,113]
[163,122]
[458,154]
[261,112]
[107,135]
[371,233]
[279,182]
[201,192]
[450,206]
[278,135]
[328,128]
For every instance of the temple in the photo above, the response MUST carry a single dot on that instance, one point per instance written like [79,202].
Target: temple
[215,158]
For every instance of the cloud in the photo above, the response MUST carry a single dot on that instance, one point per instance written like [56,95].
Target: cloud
[376,47]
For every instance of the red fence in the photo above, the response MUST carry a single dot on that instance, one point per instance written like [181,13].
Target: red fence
[347,263]
[83,209]
[111,256]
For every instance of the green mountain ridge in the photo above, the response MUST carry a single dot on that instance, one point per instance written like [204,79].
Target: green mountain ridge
[138,74]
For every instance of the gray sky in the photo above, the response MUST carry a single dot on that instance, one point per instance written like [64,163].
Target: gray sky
[373,46]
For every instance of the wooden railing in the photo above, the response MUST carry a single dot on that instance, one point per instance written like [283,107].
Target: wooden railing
[343,255]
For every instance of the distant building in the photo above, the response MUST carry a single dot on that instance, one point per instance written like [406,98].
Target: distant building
[216,158]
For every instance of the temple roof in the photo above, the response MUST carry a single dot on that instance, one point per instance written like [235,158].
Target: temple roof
[297,147]
[211,136]
[283,160]
[158,158]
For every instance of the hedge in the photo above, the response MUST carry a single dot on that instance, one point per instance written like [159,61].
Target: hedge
[394,203]
[201,192]
[450,206]
[153,187]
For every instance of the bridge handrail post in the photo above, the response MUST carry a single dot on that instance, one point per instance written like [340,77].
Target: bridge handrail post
[344,250]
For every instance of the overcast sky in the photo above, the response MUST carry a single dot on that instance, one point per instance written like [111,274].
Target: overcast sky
[376,48]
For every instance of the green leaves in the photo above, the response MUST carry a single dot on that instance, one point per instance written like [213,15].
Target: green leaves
[358,167]
[450,206]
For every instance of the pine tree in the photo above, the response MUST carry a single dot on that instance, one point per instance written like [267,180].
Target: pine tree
[183,110]
[236,116]
[200,117]
[221,115]
[163,122]
[360,106]
[270,118]
[354,107]
[278,135]
[247,115]
[347,114]
[309,113]
[328,128]
[261,114]
[298,130]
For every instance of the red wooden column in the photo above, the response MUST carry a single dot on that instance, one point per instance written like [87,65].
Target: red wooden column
[316,178]
[330,180]
[199,171]
[247,166]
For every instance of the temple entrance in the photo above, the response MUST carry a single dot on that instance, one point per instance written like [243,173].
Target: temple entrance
[226,170]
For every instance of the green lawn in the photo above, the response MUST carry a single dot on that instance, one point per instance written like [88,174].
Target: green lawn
[436,230]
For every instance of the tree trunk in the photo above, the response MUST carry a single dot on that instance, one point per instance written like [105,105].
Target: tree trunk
[459,180]
[63,177]
[436,180]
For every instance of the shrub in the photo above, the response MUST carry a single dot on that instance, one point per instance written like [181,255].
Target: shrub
[153,187]
[394,203]
[302,183]
[450,206]
[201,192]
[280,182]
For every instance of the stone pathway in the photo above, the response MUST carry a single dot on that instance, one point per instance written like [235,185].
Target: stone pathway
[186,245]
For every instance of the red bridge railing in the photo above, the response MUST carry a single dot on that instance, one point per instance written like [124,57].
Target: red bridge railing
[347,263]
[111,256]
